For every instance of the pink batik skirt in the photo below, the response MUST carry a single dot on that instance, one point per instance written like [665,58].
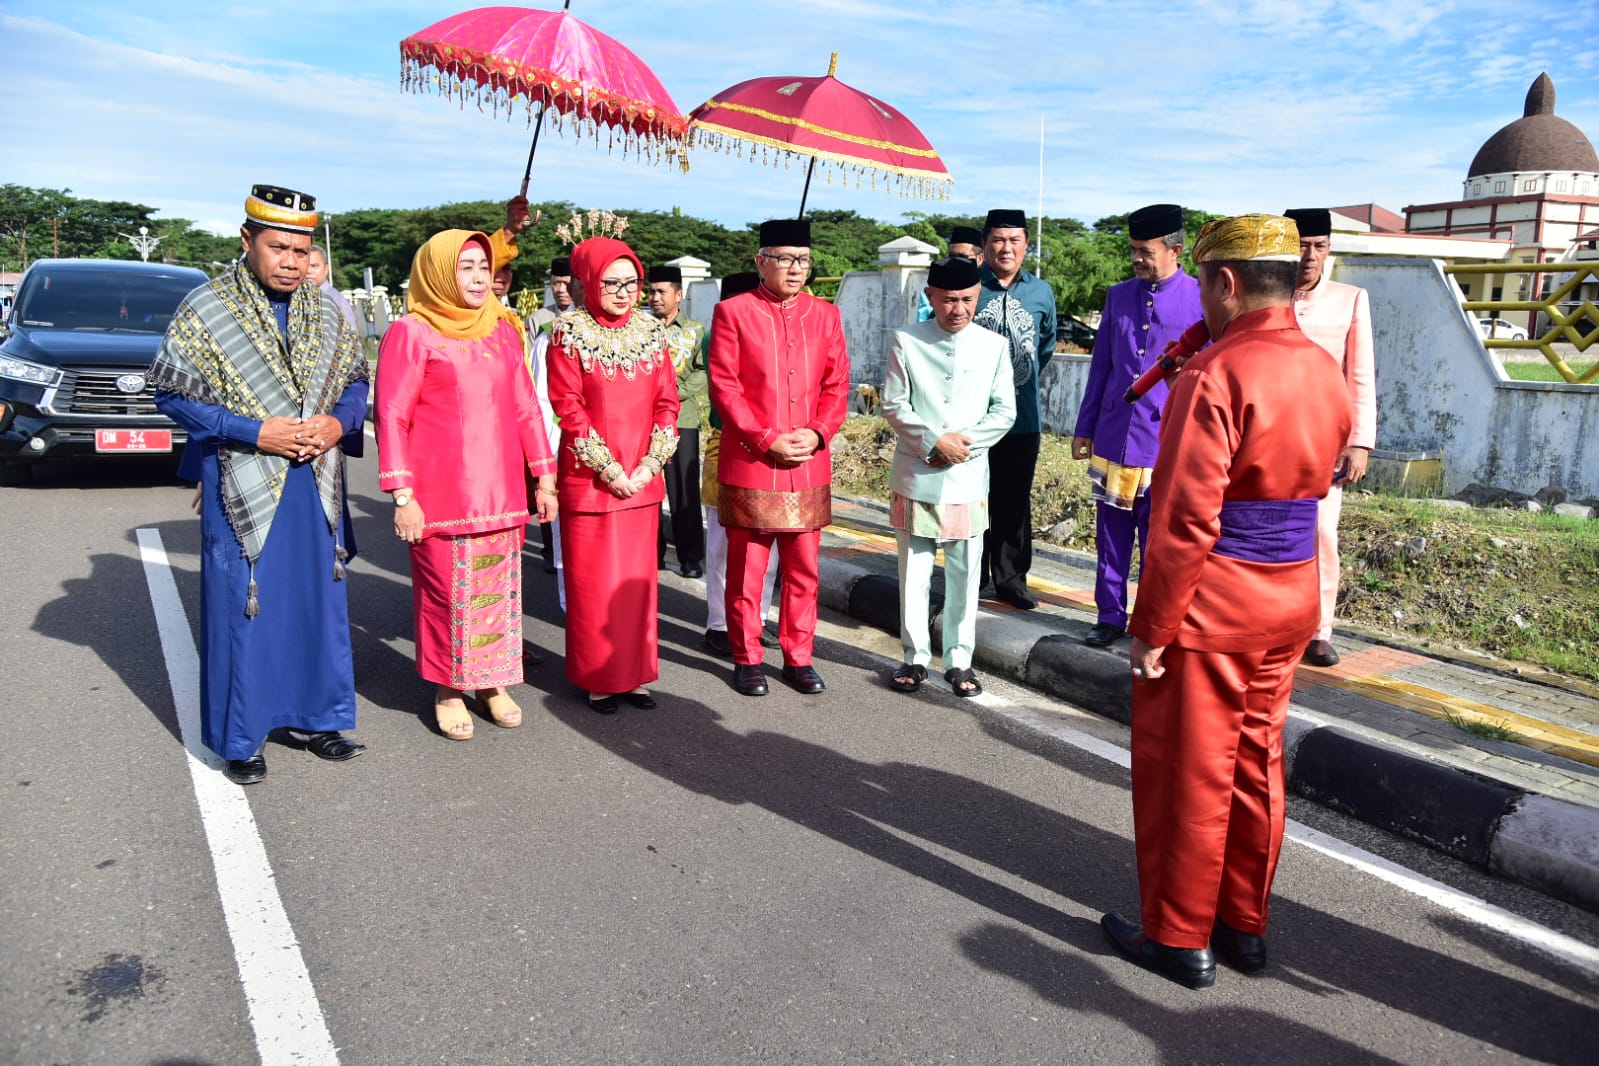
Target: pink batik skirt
[467,595]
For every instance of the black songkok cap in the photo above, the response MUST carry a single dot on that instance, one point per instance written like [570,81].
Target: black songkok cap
[966,235]
[1312,221]
[786,232]
[1156,220]
[742,282]
[1005,218]
[561,267]
[666,273]
[954,273]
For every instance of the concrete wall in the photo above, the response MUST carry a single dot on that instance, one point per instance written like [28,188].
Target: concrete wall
[1437,387]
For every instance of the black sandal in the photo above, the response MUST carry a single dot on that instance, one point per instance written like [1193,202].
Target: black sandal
[908,678]
[957,678]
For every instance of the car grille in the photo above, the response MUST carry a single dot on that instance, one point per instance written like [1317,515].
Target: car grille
[95,392]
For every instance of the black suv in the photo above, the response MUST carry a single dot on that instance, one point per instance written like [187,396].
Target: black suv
[75,348]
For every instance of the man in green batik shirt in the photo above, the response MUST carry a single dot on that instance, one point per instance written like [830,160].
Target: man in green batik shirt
[685,340]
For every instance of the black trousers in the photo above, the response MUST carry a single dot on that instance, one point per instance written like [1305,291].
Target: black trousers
[1008,542]
[682,474]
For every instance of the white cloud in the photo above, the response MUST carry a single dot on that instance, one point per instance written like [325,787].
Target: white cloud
[1223,105]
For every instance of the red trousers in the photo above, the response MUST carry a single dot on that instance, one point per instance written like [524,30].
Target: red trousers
[1208,789]
[748,552]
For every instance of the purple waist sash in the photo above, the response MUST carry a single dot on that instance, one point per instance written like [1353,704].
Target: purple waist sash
[1268,531]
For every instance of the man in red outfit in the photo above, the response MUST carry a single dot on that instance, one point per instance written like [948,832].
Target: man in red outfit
[1227,602]
[780,382]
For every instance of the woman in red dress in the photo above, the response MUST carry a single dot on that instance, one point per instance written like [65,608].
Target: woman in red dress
[458,430]
[614,390]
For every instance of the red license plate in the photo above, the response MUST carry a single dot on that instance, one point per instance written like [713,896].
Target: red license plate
[133,440]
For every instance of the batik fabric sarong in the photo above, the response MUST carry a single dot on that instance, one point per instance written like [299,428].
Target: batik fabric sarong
[467,597]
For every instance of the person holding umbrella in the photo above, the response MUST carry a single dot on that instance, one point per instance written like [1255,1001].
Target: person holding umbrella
[614,389]
[780,383]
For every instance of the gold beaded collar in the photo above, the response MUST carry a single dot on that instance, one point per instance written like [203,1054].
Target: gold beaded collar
[633,348]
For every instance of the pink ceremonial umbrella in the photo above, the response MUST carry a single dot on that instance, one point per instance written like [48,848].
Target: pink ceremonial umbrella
[505,56]
[823,119]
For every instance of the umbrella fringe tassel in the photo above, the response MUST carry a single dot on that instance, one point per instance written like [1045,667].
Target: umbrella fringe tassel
[618,133]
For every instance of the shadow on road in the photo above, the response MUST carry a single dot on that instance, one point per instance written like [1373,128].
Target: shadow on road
[886,810]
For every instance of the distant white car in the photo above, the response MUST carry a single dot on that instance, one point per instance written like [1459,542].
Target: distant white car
[1500,329]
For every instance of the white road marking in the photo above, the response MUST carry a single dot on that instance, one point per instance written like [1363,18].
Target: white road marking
[284,1011]
[1584,956]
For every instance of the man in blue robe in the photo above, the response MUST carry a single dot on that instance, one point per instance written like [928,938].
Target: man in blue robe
[1142,315]
[268,378]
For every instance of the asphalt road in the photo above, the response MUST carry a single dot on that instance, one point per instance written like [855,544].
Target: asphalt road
[860,877]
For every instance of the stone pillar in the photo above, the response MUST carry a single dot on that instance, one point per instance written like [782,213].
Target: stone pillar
[693,269]
[902,272]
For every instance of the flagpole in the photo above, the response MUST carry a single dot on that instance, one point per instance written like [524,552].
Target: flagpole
[1040,223]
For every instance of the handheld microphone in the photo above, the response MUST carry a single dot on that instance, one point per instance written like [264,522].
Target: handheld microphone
[1171,360]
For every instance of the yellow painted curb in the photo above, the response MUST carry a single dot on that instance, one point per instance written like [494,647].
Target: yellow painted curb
[1531,732]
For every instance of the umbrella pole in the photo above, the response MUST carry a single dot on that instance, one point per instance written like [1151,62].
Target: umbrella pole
[537,129]
[806,194]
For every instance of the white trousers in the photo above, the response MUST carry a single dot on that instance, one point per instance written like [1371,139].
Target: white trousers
[1327,512]
[916,559]
[716,575]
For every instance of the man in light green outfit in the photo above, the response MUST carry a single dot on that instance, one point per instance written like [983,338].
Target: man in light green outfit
[949,394]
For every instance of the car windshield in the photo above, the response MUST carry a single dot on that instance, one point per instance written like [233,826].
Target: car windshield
[100,300]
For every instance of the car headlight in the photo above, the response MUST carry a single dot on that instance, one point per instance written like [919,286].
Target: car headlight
[32,373]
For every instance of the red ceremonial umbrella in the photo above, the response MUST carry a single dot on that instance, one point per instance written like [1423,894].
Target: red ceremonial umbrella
[826,120]
[505,56]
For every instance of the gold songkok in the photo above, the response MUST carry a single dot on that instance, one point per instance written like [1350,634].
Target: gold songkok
[1261,238]
[278,208]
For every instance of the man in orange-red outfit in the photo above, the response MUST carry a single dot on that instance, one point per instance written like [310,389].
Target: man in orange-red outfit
[780,382]
[1228,599]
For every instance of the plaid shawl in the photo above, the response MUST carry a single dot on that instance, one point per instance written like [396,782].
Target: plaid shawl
[224,347]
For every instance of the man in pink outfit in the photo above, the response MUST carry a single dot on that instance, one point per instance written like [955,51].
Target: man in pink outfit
[1337,317]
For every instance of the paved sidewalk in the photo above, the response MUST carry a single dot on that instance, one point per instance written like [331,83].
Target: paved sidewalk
[1374,737]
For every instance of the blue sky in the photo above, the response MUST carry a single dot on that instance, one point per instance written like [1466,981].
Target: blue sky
[1226,105]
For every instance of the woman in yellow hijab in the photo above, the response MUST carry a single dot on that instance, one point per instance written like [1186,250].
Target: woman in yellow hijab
[459,431]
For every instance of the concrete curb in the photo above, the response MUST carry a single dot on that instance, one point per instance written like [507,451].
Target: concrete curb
[1547,844]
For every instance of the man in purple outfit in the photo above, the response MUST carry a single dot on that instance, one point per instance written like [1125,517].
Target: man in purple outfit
[1119,439]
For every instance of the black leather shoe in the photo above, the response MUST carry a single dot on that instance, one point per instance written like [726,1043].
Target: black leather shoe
[641,700]
[1244,952]
[531,655]
[748,679]
[246,771]
[716,640]
[1191,967]
[693,570]
[603,705]
[334,747]
[804,679]
[769,636]
[1019,598]
[1103,635]
[1320,653]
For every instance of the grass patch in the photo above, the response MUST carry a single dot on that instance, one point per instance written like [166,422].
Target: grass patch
[1486,730]
[1510,583]
[1542,370]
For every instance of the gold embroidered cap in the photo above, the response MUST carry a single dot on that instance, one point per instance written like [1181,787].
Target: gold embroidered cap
[278,208]
[1263,238]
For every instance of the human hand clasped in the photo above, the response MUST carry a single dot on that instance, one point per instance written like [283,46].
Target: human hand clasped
[299,438]
[952,448]
[792,449]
